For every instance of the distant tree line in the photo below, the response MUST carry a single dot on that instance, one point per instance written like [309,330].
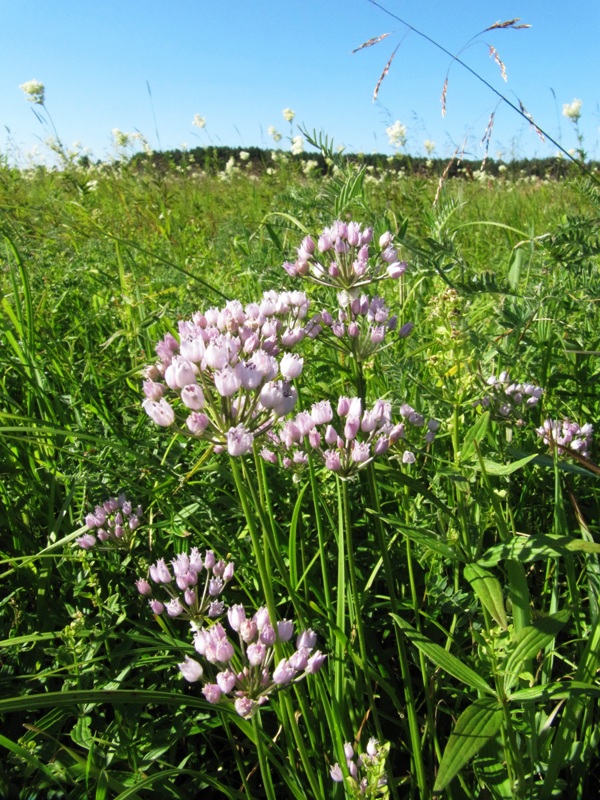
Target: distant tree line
[256,160]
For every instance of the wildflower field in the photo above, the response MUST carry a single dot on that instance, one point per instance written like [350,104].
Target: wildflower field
[299,483]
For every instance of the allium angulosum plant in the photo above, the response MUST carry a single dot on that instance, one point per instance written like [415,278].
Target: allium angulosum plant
[337,585]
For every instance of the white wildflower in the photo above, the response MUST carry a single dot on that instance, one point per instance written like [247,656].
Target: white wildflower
[121,138]
[34,91]
[397,134]
[274,133]
[297,145]
[429,146]
[572,110]
[198,121]
[288,114]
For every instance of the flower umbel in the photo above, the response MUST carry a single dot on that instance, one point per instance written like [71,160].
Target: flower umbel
[345,445]
[35,91]
[366,771]
[249,672]
[222,380]
[508,400]
[396,134]
[113,522]
[341,258]
[568,437]
[572,110]
[192,602]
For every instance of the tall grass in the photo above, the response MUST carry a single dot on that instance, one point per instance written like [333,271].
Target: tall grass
[456,597]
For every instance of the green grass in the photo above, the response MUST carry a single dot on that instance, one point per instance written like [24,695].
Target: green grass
[457,597]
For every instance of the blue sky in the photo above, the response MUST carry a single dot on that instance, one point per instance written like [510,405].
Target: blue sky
[238,63]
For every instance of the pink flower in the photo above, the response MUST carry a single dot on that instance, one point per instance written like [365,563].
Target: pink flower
[239,441]
[190,669]
[212,692]
[160,412]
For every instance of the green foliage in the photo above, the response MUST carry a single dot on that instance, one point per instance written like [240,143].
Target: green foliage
[457,597]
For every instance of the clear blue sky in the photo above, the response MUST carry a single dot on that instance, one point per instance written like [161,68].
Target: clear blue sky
[238,63]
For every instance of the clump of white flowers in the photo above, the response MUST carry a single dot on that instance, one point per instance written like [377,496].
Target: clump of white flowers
[297,146]
[572,110]
[35,91]
[396,134]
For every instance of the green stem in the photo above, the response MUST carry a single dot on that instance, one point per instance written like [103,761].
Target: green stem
[262,758]
[257,546]
[320,533]
[411,713]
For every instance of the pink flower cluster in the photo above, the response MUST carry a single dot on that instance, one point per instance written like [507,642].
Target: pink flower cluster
[366,770]
[249,674]
[228,377]
[192,602]
[357,437]
[361,326]
[114,521]
[508,399]
[566,436]
[341,258]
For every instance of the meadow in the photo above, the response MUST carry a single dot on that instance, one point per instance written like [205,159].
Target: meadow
[321,530]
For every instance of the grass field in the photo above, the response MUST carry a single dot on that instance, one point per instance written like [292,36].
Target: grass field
[358,554]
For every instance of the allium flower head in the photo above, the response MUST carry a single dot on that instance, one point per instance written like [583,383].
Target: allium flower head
[569,438]
[508,400]
[35,91]
[251,671]
[188,589]
[361,325]
[366,771]
[112,522]
[344,445]
[218,381]
[341,258]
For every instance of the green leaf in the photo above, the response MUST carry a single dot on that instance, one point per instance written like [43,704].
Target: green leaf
[529,641]
[534,548]
[442,658]
[494,468]
[473,435]
[514,268]
[555,691]
[489,592]
[476,725]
